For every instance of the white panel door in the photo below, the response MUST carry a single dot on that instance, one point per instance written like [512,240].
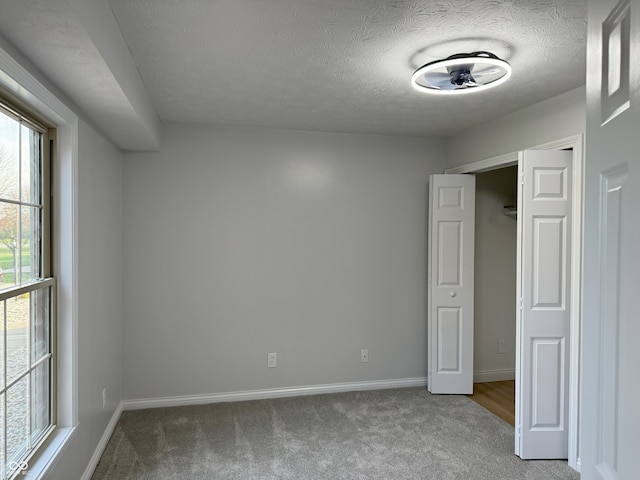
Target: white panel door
[610,416]
[450,266]
[545,288]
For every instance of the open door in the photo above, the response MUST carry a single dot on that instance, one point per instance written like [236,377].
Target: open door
[544,316]
[450,283]
[610,417]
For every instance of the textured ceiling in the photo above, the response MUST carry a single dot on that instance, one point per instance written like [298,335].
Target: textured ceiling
[78,45]
[345,65]
[326,65]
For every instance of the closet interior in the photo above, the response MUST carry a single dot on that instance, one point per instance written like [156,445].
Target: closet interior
[495,291]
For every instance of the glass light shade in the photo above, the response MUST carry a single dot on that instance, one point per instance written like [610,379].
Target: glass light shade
[461,73]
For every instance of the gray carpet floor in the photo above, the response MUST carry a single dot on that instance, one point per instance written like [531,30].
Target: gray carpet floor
[385,434]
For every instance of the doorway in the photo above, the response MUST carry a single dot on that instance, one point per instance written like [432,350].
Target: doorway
[496,239]
[572,365]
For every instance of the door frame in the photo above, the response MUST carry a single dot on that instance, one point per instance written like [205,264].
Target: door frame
[576,143]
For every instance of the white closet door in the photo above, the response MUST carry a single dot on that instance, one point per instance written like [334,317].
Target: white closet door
[544,322]
[451,251]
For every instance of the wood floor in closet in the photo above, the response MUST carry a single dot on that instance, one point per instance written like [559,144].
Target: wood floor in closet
[497,397]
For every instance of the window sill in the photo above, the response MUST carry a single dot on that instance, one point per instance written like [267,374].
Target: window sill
[40,464]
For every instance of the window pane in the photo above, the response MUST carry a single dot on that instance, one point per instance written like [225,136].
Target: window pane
[2,425]
[40,328]
[9,157]
[8,242]
[30,168]
[17,336]
[40,408]
[18,420]
[30,234]
[2,331]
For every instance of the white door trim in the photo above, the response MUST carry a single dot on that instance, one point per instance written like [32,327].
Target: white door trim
[501,161]
[575,142]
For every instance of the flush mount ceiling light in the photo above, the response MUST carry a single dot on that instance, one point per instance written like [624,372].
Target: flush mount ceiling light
[461,73]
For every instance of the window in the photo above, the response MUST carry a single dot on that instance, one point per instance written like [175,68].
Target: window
[27,408]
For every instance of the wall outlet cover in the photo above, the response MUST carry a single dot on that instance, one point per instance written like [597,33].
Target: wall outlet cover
[272,360]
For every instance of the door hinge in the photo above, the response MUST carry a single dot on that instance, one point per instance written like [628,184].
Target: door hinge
[518,430]
[522,178]
[520,303]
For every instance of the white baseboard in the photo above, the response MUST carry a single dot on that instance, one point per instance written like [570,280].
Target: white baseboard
[102,444]
[494,375]
[137,404]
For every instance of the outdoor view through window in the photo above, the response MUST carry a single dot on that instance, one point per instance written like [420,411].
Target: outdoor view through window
[26,293]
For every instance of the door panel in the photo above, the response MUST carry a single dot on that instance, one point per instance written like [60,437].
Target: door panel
[547,378]
[449,254]
[613,186]
[450,296]
[544,256]
[549,275]
[449,340]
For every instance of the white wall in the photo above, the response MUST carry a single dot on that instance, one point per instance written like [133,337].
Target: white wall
[553,119]
[100,333]
[241,242]
[495,274]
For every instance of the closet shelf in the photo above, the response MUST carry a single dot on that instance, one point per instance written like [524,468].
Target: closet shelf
[510,211]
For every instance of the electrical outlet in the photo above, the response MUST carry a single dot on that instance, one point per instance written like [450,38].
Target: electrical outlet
[272,360]
[364,355]
[501,346]
[104,398]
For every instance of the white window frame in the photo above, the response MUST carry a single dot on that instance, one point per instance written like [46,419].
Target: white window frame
[12,467]
[31,90]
